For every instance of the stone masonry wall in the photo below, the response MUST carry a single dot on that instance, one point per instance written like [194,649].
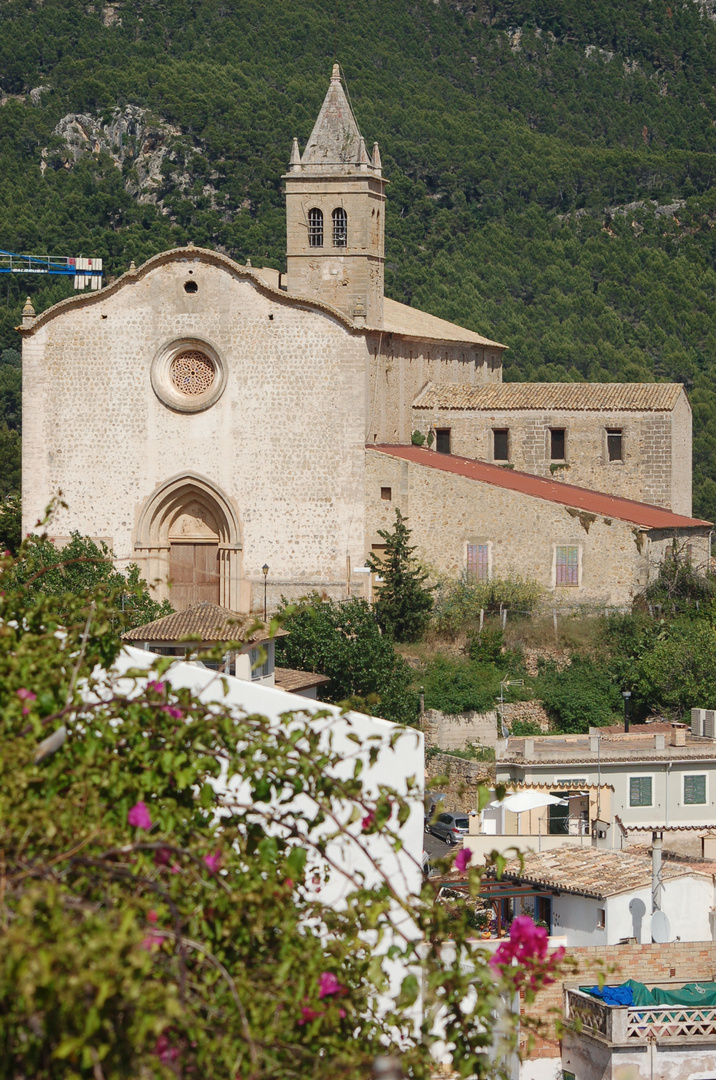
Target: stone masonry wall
[464,778]
[657,448]
[446,511]
[400,368]
[680,960]
[284,443]
[455,732]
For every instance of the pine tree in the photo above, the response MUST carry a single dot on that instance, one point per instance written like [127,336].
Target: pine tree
[404,603]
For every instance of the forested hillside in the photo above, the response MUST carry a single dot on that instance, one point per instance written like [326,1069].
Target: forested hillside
[552,165]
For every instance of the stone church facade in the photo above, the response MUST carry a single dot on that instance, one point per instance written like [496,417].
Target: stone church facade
[209,419]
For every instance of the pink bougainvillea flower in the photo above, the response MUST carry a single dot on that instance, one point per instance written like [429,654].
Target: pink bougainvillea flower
[462,859]
[328,984]
[26,695]
[213,862]
[139,817]
[171,710]
[307,1015]
[156,685]
[152,915]
[152,941]
[368,821]
[342,1013]
[165,1051]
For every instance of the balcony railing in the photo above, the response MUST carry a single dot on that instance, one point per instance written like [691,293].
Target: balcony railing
[625,1025]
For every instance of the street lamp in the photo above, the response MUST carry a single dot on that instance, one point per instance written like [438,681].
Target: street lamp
[265,570]
[626,694]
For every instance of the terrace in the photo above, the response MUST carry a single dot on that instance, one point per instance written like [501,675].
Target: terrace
[628,1025]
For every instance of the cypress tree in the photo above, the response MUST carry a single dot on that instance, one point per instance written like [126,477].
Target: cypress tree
[404,602]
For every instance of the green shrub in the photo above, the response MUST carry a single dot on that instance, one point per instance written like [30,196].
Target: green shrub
[344,642]
[525,729]
[455,686]
[580,696]
[458,601]
[487,647]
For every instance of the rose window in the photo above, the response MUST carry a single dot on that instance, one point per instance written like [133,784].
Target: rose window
[192,373]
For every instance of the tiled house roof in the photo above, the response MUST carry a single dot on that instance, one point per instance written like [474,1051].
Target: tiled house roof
[578,498]
[206,621]
[589,871]
[293,680]
[572,397]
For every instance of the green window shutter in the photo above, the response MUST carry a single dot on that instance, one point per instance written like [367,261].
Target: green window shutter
[640,791]
[695,790]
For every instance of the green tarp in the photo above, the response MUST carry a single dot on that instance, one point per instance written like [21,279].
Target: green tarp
[693,995]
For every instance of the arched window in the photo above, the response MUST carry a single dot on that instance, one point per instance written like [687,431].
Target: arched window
[315,227]
[340,227]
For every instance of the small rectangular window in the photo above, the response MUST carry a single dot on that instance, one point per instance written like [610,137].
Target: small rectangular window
[567,566]
[501,444]
[640,791]
[261,665]
[615,445]
[557,444]
[386,494]
[478,561]
[601,918]
[442,440]
[695,790]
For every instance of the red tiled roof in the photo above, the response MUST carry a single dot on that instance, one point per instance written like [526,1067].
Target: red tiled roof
[593,502]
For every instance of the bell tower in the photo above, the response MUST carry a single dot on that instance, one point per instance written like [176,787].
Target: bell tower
[335,214]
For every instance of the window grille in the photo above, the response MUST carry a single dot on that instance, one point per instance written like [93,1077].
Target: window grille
[340,227]
[192,373]
[567,566]
[615,445]
[695,790]
[478,561]
[640,791]
[315,227]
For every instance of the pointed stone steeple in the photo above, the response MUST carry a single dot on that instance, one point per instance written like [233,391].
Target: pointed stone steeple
[335,202]
[335,139]
[377,164]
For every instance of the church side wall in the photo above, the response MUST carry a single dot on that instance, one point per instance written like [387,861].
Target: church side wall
[284,443]
[446,512]
[399,368]
[656,467]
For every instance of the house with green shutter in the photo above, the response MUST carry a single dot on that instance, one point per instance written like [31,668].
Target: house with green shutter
[620,787]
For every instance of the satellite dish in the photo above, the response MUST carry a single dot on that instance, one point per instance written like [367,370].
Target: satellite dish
[660,929]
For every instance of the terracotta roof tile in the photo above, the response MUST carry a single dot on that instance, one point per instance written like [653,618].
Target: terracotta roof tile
[596,397]
[588,871]
[595,502]
[207,621]
[292,680]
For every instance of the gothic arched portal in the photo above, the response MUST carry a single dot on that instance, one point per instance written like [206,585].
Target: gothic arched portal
[188,542]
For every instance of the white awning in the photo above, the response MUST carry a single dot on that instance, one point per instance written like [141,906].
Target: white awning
[529,800]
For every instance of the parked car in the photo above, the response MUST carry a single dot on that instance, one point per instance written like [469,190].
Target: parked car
[450,827]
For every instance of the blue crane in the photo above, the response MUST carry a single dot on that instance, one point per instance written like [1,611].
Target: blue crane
[86,272]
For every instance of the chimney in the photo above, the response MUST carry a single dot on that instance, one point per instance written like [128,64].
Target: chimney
[593,744]
[660,741]
[678,735]
[529,748]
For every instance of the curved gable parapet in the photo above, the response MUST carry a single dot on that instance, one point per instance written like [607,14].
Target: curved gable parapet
[206,255]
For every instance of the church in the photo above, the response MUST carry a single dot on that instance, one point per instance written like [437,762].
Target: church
[235,429]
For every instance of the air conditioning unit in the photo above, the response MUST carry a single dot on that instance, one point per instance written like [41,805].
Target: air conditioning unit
[709,723]
[697,721]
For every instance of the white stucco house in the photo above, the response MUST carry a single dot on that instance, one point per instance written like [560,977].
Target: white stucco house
[588,896]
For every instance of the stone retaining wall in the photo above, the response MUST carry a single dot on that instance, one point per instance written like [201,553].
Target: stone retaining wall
[464,778]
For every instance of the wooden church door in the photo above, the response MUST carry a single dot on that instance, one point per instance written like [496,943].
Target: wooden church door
[194,570]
